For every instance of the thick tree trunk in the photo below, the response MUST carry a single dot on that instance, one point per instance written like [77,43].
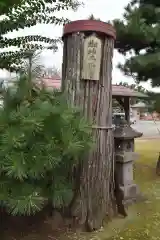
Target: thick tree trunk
[94,194]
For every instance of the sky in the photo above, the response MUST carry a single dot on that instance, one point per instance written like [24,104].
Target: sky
[103,9]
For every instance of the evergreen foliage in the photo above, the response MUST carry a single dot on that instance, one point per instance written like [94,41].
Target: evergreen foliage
[5,5]
[138,37]
[41,140]
[28,13]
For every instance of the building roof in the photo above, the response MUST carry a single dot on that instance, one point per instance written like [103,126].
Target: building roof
[53,82]
[139,105]
[117,90]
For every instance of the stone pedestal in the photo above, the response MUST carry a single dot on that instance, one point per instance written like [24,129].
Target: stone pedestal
[124,158]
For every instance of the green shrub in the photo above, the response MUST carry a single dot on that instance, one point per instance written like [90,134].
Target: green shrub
[41,139]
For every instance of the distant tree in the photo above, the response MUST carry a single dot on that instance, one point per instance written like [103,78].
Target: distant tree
[154,102]
[32,63]
[54,71]
[92,17]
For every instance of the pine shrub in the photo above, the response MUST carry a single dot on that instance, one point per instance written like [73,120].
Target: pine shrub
[41,139]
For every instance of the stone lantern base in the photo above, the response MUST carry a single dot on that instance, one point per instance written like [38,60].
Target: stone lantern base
[124,175]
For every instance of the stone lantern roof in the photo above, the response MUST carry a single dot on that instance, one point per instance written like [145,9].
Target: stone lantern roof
[125,131]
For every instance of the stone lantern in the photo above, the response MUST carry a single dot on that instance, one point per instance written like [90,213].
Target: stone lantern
[125,156]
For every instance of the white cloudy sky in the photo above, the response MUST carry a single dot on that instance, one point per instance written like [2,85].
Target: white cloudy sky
[103,9]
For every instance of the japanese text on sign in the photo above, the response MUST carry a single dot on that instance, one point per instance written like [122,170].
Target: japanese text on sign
[92,58]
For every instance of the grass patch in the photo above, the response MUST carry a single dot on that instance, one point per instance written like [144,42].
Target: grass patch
[143,221]
[144,218]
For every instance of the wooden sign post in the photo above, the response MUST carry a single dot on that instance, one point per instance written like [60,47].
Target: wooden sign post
[87,69]
[92,58]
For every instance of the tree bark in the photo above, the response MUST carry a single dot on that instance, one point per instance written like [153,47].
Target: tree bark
[94,194]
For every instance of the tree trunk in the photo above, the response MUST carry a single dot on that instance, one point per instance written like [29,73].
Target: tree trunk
[94,194]
[158,166]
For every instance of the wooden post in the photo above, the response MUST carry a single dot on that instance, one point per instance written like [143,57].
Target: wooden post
[127,109]
[87,67]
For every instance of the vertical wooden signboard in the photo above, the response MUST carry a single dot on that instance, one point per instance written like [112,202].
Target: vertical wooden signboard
[92,58]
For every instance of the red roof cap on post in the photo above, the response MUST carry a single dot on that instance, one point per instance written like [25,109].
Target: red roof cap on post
[89,25]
